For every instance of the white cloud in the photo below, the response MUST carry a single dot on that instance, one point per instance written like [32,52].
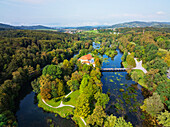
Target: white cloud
[160,13]
[31,1]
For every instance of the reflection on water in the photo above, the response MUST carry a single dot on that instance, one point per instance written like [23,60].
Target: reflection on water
[125,99]
[30,115]
[125,95]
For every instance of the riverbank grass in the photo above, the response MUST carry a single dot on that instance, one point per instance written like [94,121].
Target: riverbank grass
[63,111]
[78,121]
[125,64]
[72,98]
[140,74]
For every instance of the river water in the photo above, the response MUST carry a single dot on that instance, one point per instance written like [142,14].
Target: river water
[124,104]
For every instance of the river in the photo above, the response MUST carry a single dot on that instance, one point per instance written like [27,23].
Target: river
[124,104]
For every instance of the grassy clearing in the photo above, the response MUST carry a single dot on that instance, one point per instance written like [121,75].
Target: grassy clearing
[164,50]
[133,43]
[73,98]
[98,42]
[140,74]
[125,64]
[78,121]
[54,102]
[92,31]
[48,29]
[63,111]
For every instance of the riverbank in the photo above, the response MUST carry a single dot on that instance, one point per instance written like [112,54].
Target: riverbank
[64,109]
[140,71]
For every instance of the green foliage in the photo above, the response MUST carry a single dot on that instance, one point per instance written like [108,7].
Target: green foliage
[163,90]
[120,122]
[82,106]
[134,76]
[124,56]
[52,70]
[110,121]
[84,82]
[158,64]
[36,85]
[102,99]
[97,117]
[164,118]
[130,60]
[153,105]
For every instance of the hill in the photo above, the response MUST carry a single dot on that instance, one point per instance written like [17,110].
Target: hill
[5,26]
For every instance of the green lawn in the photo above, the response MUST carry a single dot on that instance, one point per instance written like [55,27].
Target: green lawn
[164,50]
[54,102]
[48,29]
[140,74]
[92,31]
[78,121]
[63,111]
[125,64]
[73,98]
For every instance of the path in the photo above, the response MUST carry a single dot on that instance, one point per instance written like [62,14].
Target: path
[83,121]
[62,105]
[139,66]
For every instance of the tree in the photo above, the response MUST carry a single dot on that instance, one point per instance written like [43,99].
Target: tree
[120,122]
[97,62]
[36,85]
[153,105]
[130,60]
[52,70]
[135,76]
[97,117]
[82,106]
[124,56]
[164,118]
[163,90]
[67,69]
[46,91]
[84,82]
[102,99]
[110,121]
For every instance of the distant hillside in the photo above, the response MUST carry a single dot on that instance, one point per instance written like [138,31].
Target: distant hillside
[127,24]
[139,24]
[5,26]
[121,25]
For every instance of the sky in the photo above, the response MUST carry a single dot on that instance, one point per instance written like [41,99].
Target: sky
[82,12]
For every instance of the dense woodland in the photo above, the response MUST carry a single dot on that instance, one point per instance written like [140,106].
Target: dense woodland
[24,54]
[152,47]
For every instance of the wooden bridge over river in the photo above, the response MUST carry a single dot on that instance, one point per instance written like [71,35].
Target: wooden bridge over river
[113,69]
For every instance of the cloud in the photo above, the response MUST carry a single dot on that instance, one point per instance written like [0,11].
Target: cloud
[160,13]
[31,1]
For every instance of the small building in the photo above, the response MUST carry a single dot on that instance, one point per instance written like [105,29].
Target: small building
[87,59]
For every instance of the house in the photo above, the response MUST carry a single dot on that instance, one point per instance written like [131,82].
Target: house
[87,59]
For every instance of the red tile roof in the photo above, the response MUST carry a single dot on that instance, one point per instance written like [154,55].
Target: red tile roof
[86,57]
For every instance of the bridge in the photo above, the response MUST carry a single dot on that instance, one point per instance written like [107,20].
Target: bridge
[113,69]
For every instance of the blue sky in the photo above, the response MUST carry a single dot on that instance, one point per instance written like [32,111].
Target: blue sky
[82,12]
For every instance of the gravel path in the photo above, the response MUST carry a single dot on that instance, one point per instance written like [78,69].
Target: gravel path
[139,66]
[62,105]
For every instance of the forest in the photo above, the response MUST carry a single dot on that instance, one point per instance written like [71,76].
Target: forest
[45,59]
[23,54]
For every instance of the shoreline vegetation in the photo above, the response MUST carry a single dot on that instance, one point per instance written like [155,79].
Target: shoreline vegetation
[24,53]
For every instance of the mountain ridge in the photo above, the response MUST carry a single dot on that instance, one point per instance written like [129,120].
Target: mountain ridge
[119,25]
